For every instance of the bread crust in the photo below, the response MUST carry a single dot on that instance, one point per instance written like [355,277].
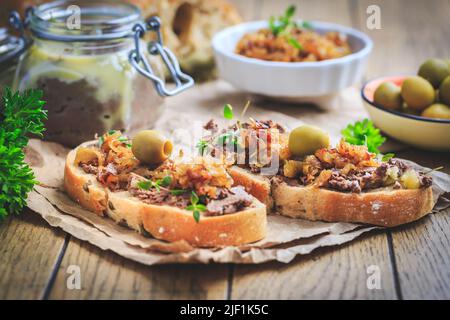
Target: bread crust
[255,184]
[383,207]
[84,188]
[164,222]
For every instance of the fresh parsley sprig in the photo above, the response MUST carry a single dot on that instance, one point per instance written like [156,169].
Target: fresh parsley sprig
[21,115]
[364,133]
[195,206]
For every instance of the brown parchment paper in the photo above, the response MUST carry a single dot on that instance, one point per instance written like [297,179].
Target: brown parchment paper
[286,237]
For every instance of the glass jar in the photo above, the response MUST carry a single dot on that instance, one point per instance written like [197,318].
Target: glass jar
[10,49]
[96,75]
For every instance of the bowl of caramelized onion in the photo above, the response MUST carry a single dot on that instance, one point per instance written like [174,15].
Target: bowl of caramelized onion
[289,58]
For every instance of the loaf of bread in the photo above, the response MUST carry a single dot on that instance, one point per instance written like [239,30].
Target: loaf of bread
[188,27]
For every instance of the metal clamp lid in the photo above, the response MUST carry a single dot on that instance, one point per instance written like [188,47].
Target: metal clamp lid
[138,60]
[182,81]
[12,47]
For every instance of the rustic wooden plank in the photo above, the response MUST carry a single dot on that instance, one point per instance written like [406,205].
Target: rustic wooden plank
[331,273]
[105,275]
[412,31]
[421,250]
[336,273]
[29,251]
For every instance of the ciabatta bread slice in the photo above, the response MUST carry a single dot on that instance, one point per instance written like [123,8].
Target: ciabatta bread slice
[161,221]
[382,207]
[256,184]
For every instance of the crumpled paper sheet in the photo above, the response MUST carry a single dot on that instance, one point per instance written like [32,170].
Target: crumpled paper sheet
[286,237]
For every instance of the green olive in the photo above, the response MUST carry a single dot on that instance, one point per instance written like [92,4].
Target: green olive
[307,139]
[435,71]
[448,63]
[388,95]
[151,147]
[418,93]
[444,91]
[438,111]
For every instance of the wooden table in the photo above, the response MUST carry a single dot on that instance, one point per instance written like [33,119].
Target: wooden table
[414,260]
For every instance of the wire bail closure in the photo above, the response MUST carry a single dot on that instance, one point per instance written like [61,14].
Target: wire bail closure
[140,63]
[21,43]
[181,80]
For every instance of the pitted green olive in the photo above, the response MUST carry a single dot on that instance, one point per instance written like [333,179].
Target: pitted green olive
[435,71]
[307,139]
[418,93]
[388,95]
[444,91]
[437,111]
[151,147]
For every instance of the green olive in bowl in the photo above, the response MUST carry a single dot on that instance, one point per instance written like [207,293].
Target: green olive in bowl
[388,95]
[151,147]
[444,91]
[435,71]
[437,111]
[307,139]
[418,93]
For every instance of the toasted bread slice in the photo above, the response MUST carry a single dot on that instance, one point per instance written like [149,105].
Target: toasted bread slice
[382,207]
[164,222]
[257,185]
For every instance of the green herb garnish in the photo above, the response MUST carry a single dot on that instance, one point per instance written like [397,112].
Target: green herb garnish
[363,133]
[293,42]
[227,138]
[306,25]
[195,206]
[20,116]
[202,146]
[228,111]
[149,184]
[101,141]
[178,192]
[387,157]
[284,24]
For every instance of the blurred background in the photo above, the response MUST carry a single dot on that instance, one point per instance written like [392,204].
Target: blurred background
[412,30]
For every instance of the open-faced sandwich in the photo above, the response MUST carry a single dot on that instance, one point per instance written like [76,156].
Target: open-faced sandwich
[314,181]
[138,185]
[255,149]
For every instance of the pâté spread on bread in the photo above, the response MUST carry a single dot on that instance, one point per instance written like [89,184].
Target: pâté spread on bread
[309,171]
[191,199]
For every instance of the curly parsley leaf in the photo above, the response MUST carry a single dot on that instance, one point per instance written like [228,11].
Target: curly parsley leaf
[364,133]
[21,115]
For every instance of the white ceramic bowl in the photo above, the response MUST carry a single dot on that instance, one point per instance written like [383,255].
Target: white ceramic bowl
[421,132]
[290,79]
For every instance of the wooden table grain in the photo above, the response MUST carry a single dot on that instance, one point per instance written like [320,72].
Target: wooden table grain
[414,260]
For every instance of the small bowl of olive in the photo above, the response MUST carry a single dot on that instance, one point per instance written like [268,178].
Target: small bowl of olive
[413,109]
